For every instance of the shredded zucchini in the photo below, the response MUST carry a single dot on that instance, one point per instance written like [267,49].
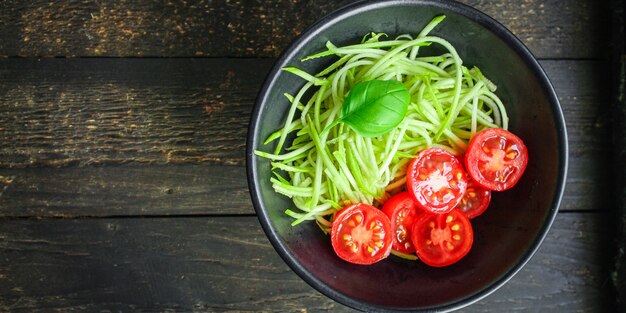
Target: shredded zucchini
[328,170]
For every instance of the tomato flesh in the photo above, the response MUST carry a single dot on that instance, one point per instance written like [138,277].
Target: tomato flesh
[475,200]
[360,234]
[442,239]
[436,180]
[496,159]
[402,212]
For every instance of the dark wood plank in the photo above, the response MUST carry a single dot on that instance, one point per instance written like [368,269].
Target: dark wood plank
[551,29]
[125,190]
[61,112]
[64,116]
[222,264]
[585,101]
[618,75]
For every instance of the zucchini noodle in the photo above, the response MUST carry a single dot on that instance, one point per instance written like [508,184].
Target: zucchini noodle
[322,170]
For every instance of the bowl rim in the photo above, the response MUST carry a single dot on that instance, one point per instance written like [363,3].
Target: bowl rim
[356,8]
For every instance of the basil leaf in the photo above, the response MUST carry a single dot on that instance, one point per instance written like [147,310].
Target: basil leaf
[374,107]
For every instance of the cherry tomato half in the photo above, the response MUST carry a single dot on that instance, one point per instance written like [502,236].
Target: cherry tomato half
[475,200]
[361,234]
[436,180]
[442,239]
[496,159]
[402,212]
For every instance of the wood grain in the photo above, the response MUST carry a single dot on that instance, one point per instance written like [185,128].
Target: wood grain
[61,117]
[585,102]
[227,264]
[618,75]
[125,190]
[559,29]
[59,112]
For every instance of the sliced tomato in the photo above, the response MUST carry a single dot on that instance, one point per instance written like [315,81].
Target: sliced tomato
[475,201]
[442,239]
[402,212]
[436,180]
[361,234]
[496,159]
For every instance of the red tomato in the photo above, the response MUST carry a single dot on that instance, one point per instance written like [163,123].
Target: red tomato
[475,201]
[402,212]
[442,239]
[361,234]
[436,180]
[496,159]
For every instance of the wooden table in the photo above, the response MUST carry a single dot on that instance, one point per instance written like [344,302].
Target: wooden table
[122,156]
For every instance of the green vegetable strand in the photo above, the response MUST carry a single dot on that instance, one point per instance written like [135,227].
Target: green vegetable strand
[353,144]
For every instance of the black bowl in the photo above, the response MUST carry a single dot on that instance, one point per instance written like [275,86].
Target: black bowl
[506,236]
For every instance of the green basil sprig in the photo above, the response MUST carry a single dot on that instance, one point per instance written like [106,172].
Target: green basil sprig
[374,107]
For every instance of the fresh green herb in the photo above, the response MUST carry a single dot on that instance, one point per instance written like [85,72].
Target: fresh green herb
[355,134]
[375,107]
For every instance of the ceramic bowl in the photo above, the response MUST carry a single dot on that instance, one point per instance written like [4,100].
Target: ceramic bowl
[506,236]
